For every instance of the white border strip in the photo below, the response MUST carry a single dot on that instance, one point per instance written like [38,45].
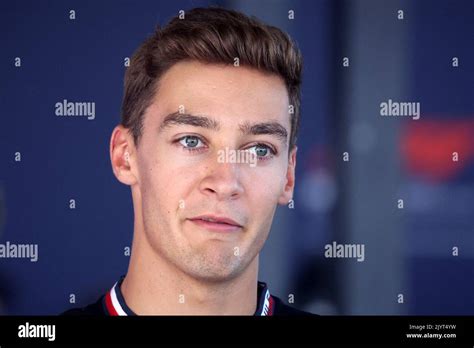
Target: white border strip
[266,304]
[116,303]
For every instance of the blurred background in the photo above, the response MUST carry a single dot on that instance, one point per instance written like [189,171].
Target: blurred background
[400,190]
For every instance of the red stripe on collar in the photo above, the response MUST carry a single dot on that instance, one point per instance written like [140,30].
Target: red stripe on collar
[268,304]
[109,305]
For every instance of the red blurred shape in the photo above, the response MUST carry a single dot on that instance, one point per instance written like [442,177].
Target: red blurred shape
[427,147]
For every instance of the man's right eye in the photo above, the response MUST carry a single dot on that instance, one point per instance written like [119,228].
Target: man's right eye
[191,142]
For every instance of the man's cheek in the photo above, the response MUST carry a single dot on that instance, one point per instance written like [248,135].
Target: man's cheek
[156,193]
[175,192]
[269,185]
[263,197]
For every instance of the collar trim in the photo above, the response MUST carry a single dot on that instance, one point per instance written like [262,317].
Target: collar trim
[116,305]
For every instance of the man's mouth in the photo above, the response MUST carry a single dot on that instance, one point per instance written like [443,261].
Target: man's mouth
[216,223]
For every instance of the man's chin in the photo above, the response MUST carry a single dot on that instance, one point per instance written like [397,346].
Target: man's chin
[217,268]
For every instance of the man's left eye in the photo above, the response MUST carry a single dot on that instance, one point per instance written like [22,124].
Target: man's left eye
[190,142]
[261,150]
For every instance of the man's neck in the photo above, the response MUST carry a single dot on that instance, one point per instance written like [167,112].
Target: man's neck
[153,286]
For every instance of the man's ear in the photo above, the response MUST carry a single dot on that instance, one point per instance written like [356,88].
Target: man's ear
[287,194]
[123,156]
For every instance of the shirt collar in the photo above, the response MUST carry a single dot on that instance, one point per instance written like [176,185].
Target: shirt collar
[115,304]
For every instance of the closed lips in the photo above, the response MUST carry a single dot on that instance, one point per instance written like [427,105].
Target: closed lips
[219,220]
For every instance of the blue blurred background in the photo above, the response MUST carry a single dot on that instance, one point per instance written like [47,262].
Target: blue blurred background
[408,251]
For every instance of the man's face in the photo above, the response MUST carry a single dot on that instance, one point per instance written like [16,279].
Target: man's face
[186,174]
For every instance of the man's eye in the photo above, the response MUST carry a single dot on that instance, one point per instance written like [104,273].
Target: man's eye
[190,142]
[262,151]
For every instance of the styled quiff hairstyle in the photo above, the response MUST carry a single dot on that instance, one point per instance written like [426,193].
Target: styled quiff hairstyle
[214,36]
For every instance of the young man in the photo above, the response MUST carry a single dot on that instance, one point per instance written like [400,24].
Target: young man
[207,145]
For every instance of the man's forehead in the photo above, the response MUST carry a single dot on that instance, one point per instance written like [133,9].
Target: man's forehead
[227,74]
[223,92]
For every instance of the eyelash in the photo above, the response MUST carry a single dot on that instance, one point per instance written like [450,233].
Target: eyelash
[190,149]
[273,152]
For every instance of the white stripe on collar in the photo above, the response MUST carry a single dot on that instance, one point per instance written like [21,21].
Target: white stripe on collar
[266,304]
[116,303]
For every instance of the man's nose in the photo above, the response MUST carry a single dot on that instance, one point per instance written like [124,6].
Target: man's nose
[222,180]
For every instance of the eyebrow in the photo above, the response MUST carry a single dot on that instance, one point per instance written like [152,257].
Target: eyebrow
[270,128]
[267,128]
[177,118]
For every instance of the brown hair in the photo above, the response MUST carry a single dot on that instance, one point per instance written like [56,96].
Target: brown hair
[210,35]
